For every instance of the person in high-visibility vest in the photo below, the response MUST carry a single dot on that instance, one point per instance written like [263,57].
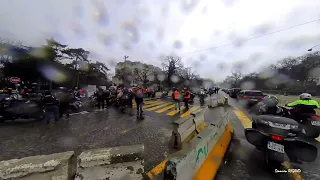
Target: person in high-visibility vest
[176,98]
[148,92]
[186,98]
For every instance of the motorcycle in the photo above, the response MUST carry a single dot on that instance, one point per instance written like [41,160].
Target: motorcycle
[12,108]
[310,123]
[164,95]
[75,104]
[277,136]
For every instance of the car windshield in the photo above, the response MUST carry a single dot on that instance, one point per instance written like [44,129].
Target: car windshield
[254,93]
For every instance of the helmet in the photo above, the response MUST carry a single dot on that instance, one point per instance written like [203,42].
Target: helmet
[305,96]
[273,97]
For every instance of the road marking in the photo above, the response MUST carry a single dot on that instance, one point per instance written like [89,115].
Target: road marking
[146,103]
[243,118]
[157,170]
[174,112]
[153,104]
[165,109]
[157,107]
[247,123]
[187,113]
[295,175]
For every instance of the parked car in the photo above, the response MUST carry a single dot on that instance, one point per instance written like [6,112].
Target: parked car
[250,97]
[233,92]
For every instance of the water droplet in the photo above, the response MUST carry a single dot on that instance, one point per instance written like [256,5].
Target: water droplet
[107,39]
[248,85]
[188,5]
[101,13]
[222,66]
[126,46]
[161,76]
[177,44]
[202,57]
[175,79]
[131,32]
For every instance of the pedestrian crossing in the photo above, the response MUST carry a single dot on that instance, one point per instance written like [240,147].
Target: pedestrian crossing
[167,108]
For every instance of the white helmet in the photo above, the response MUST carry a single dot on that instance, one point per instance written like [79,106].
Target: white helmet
[305,96]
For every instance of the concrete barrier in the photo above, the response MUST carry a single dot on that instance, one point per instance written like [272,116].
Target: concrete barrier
[202,156]
[45,167]
[125,162]
[186,128]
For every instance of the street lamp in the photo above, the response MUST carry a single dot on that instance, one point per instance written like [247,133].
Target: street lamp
[313,47]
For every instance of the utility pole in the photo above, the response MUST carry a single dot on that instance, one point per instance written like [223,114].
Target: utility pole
[125,68]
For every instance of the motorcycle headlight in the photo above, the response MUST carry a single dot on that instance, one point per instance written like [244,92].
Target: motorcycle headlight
[7,99]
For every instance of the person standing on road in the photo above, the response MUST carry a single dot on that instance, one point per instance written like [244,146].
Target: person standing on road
[100,98]
[50,105]
[186,98]
[176,98]
[65,99]
[139,101]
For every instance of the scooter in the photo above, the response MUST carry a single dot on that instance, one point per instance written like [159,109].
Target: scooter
[310,122]
[277,136]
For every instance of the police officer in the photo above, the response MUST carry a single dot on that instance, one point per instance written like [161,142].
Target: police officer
[186,98]
[50,105]
[176,98]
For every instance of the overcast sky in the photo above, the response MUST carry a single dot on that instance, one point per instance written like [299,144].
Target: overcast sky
[147,30]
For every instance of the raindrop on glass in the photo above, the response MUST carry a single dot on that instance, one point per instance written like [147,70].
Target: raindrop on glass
[175,79]
[131,32]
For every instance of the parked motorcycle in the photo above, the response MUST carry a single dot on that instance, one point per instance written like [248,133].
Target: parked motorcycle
[276,135]
[310,123]
[12,108]
[164,95]
[75,105]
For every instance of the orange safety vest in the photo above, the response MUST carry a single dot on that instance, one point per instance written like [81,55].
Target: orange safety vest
[187,96]
[176,95]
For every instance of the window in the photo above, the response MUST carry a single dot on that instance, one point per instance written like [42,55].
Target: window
[254,93]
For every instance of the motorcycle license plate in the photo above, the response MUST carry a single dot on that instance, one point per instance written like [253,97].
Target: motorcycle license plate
[276,147]
[315,123]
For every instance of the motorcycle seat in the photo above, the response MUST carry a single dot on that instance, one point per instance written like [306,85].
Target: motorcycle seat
[277,119]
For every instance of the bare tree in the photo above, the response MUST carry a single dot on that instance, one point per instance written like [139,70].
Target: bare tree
[143,74]
[172,66]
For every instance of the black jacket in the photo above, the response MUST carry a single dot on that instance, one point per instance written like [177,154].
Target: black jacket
[49,100]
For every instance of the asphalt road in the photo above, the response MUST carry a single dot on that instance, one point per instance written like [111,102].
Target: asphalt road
[97,129]
[243,161]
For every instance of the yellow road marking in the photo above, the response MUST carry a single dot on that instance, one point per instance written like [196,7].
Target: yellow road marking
[147,103]
[187,113]
[164,109]
[243,118]
[174,112]
[246,122]
[157,107]
[295,175]
[157,170]
[153,104]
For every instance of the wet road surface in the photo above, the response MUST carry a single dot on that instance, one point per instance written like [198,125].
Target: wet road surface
[97,129]
[243,161]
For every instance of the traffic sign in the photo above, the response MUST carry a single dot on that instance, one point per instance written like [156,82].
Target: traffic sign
[15,80]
